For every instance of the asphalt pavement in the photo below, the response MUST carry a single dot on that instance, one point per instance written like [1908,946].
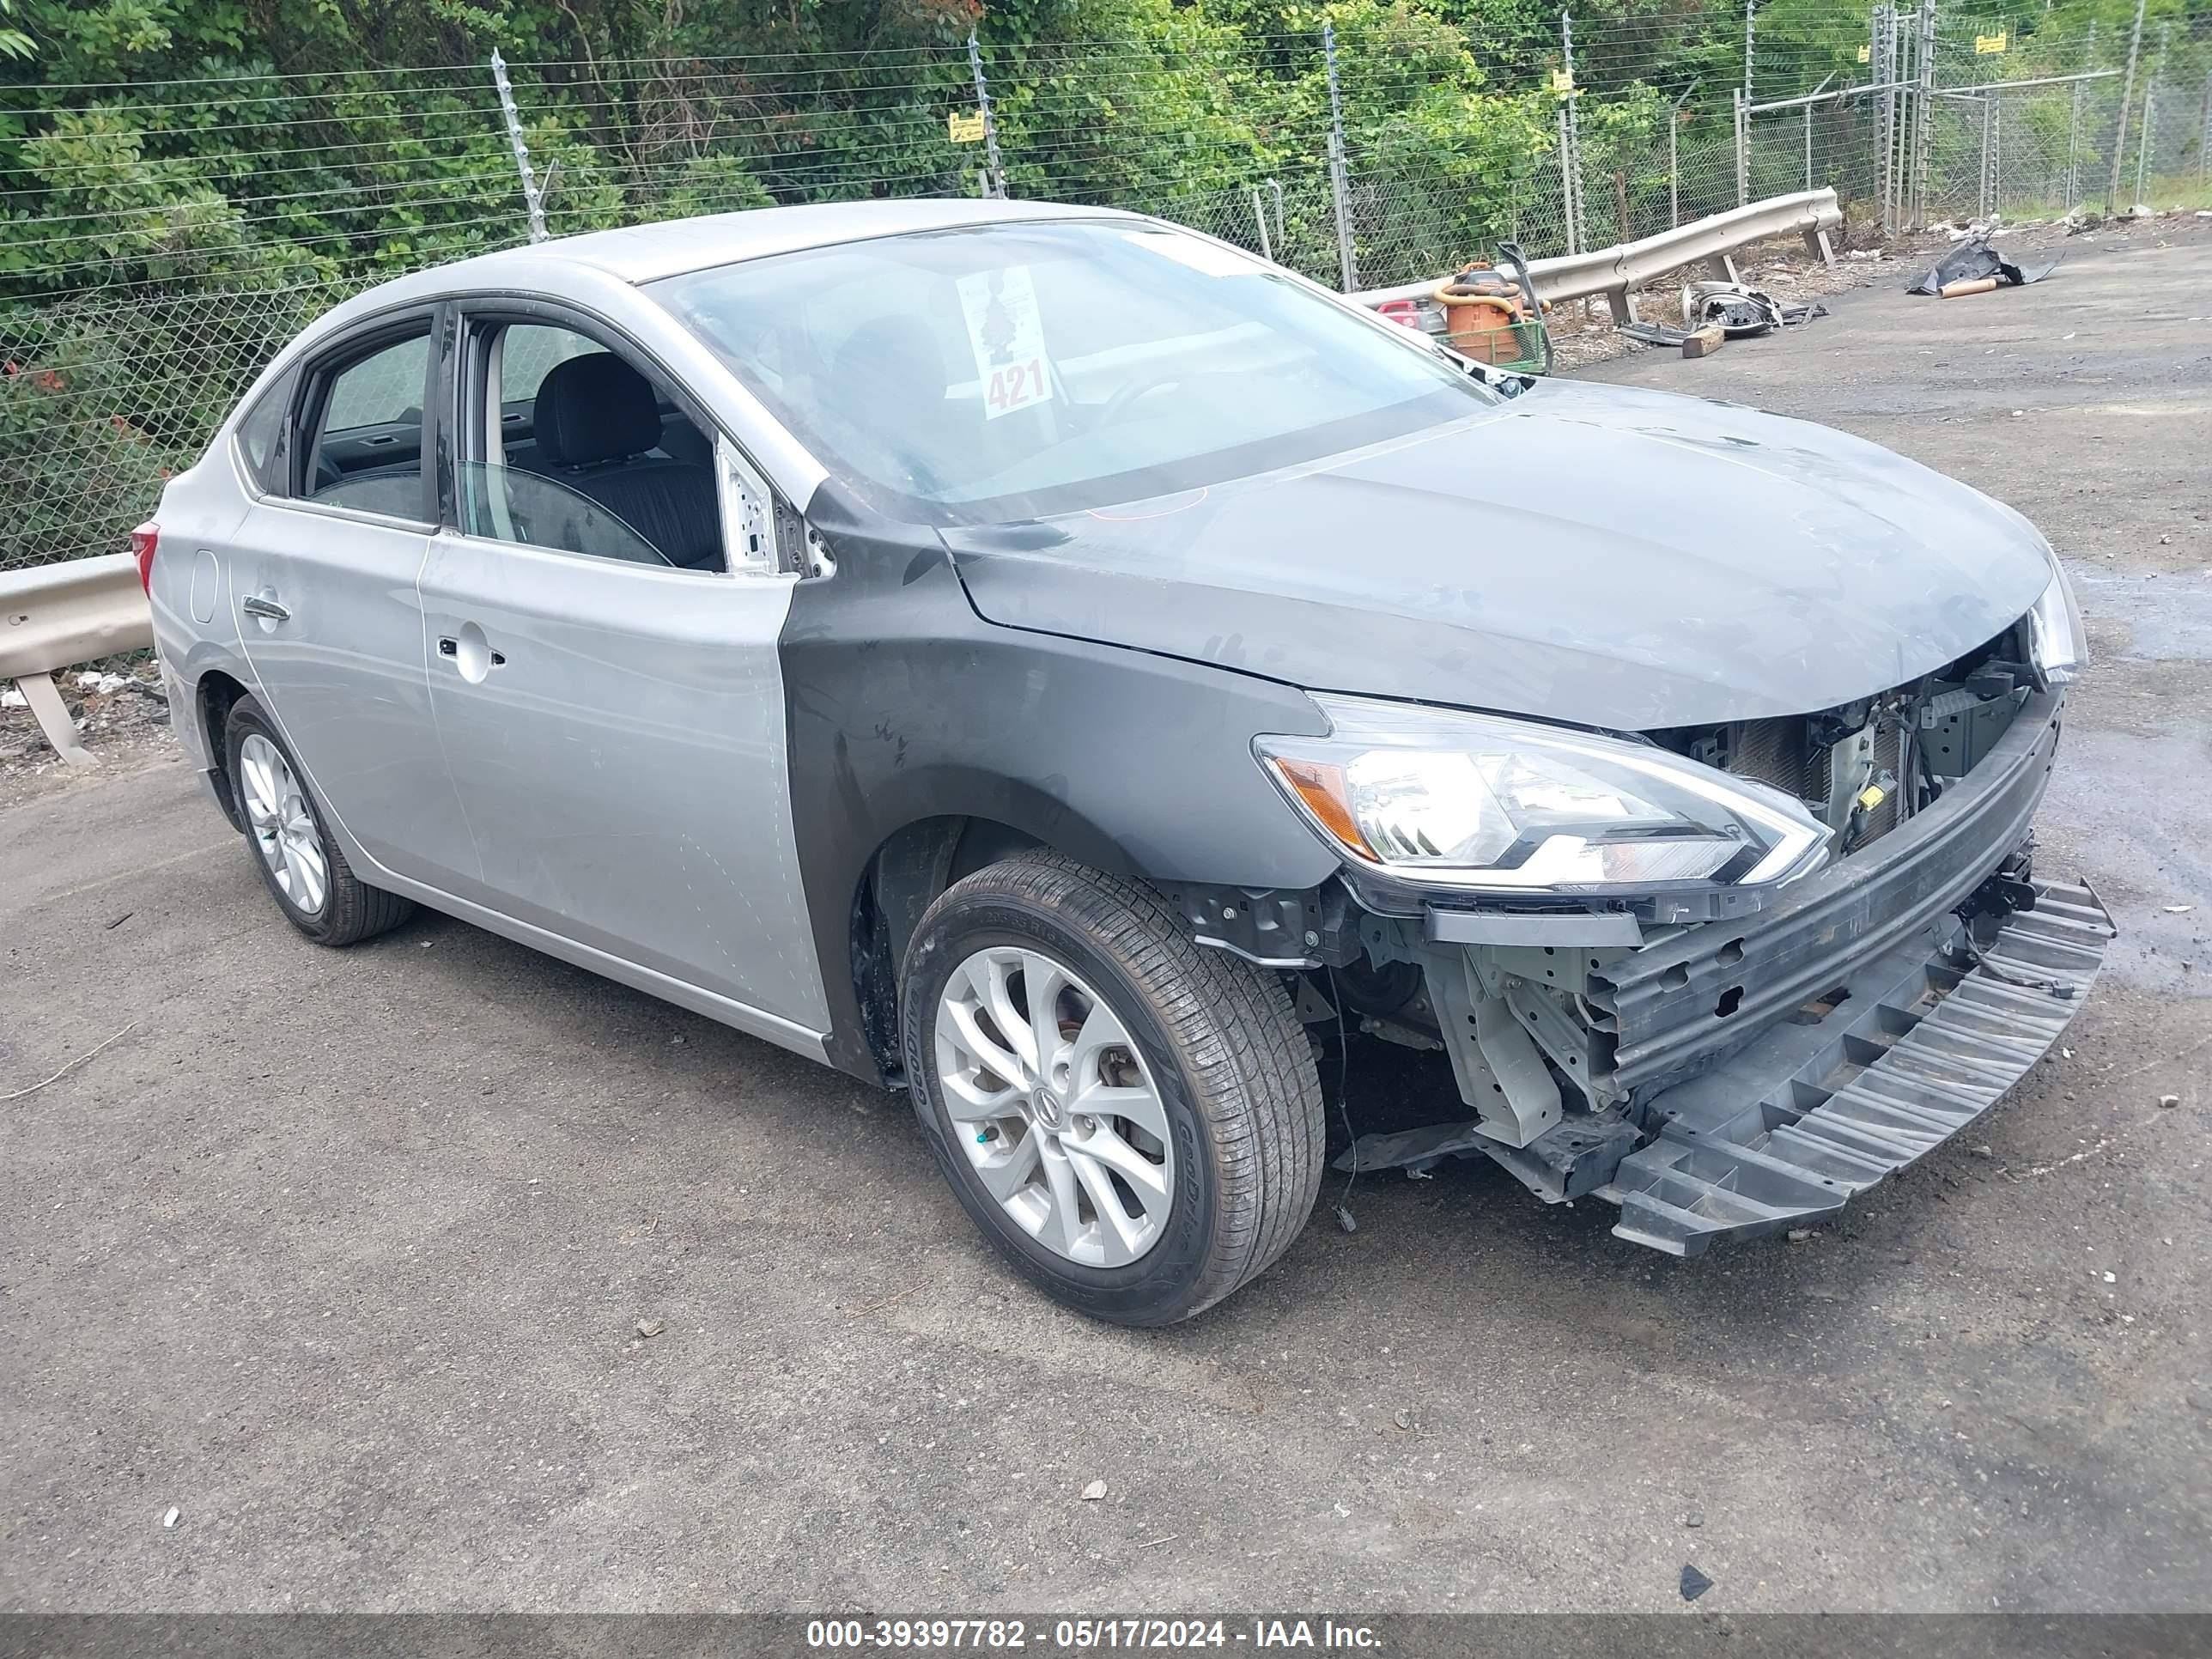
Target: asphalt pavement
[343,1255]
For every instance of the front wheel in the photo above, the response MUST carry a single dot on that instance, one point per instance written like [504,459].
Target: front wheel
[1133,1119]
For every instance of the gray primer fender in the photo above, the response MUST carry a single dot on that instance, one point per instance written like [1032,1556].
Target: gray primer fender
[906,706]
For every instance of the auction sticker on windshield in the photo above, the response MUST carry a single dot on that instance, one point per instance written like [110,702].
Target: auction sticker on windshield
[1008,338]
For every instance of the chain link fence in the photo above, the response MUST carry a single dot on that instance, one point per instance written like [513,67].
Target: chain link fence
[142,284]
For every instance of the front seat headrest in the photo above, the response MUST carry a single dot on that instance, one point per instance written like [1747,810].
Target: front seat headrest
[593,409]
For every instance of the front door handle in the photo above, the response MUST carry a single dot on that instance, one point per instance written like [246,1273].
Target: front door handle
[257,604]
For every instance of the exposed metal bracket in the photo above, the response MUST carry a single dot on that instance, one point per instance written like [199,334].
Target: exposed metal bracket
[1501,1073]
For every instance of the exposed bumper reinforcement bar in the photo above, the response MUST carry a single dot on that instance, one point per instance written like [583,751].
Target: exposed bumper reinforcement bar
[1790,1127]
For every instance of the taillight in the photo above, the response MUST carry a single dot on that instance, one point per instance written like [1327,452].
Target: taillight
[143,540]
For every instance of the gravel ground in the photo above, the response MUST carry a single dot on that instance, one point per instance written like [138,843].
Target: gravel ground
[343,1255]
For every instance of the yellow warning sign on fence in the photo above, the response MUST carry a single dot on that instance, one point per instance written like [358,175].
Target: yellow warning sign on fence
[1990,42]
[964,127]
[1866,54]
[1562,81]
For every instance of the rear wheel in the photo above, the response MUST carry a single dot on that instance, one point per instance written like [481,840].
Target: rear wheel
[1133,1119]
[299,863]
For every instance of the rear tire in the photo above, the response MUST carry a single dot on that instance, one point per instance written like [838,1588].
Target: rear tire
[298,860]
[1203,1045]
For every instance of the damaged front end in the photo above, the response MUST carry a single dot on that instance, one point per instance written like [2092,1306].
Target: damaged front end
[1728,1060]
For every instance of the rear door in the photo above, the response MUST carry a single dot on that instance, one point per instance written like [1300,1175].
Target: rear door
[604,668]
[322,576]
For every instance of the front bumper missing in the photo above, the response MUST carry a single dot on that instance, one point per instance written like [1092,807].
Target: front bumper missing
[1918,1044]
[1753,1075]
[1795,1123]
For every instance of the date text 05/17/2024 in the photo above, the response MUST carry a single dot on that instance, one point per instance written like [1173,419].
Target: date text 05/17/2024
[1089,1635]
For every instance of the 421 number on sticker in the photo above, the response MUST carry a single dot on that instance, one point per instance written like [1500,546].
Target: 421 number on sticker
[1015,386]
[1007,337]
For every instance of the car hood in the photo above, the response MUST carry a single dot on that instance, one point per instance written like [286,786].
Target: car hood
[1594,554]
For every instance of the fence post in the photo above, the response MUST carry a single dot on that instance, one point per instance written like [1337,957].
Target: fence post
[1925,63]
[1742,151]
[2147,137]
[1340,181]
[1982,183]
[2074,149]
[1577,216]
[1567,183]
[1878,74]
[531,201]
[2204,138]
[1260,221]
[1809,147]
[1750,10]
[2127,100]
[1673,168]
[995,179]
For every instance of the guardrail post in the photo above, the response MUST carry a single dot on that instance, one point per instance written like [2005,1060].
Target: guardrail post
[532,202]
[995,178]
[53,718]
[1340,172]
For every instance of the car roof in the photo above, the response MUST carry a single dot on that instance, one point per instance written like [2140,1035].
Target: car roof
[645,253]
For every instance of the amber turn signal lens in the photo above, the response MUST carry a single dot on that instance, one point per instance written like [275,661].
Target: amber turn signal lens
[1320,786]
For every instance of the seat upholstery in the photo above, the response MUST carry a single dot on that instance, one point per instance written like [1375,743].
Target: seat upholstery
[594,422]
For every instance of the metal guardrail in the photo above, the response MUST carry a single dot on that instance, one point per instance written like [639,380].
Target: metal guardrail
[1614,271]
[53,615]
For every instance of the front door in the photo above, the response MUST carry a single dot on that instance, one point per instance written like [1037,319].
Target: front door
[322,577]
[606,685]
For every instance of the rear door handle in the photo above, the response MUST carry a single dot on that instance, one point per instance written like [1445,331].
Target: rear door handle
[254,605]
[450,647]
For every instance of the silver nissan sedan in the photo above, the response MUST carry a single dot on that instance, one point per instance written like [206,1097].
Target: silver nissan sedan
[1059,665]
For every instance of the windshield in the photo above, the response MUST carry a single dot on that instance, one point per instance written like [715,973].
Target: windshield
[1016,370]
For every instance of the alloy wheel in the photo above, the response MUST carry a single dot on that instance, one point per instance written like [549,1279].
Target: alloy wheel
[282,824]
[1056,1110]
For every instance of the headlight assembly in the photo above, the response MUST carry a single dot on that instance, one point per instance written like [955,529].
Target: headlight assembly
[1475,802]
[2058,644]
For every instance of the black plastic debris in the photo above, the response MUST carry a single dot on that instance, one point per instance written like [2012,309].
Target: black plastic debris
[1695,1583]
[1974,260]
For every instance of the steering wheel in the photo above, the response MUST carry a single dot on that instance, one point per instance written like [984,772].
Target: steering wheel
[1135,392]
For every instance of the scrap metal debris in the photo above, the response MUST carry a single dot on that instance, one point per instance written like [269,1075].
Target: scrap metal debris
[1713,312]
[1741,311]
[1975,267]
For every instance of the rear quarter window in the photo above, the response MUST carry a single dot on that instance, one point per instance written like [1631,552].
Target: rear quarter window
[263,435]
